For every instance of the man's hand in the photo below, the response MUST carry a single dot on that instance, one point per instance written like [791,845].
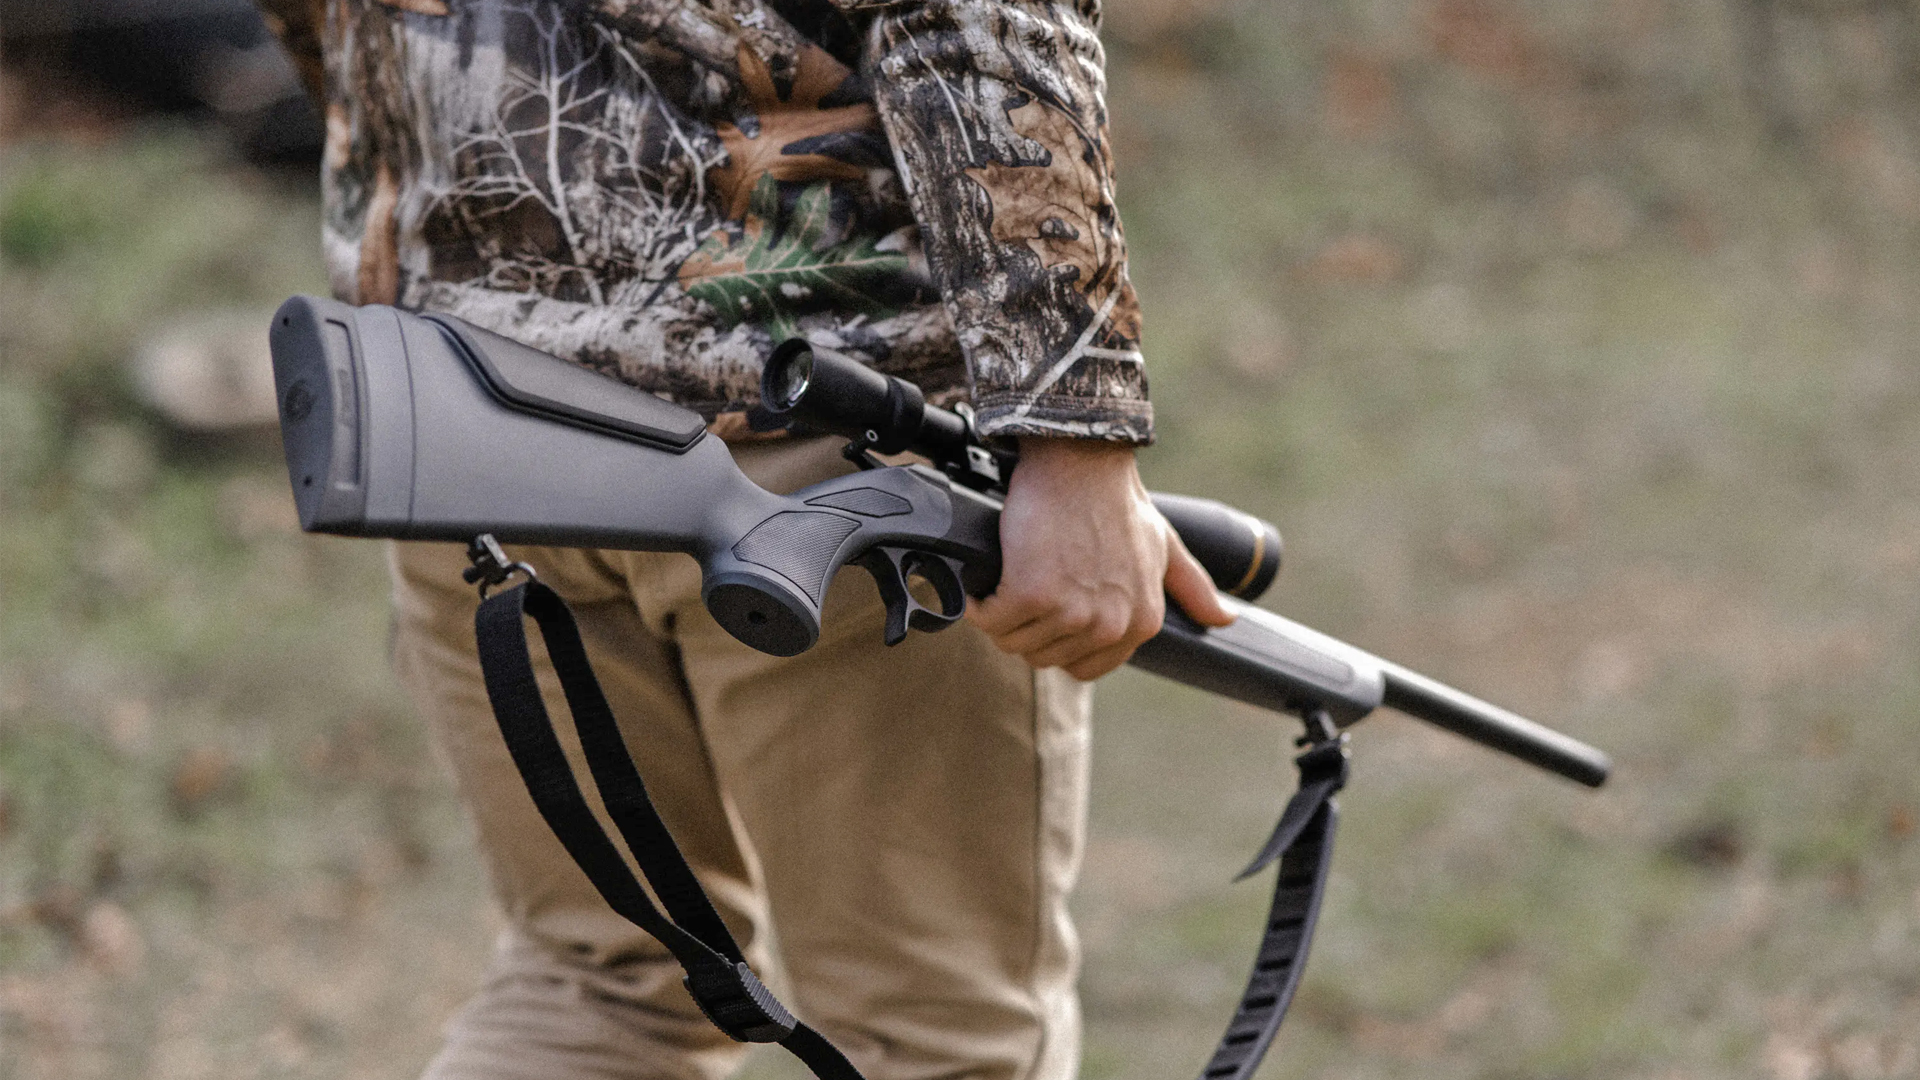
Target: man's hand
[1086,562]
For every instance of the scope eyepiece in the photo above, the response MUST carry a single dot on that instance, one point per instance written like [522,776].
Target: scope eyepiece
[832,392]
[787,376]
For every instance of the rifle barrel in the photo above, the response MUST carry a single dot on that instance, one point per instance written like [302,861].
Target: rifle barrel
[1492,726]
[1275,663]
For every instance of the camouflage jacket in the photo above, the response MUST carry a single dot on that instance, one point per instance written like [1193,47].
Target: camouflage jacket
[663,189]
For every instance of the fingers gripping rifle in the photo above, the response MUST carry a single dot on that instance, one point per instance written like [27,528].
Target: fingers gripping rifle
[423,427]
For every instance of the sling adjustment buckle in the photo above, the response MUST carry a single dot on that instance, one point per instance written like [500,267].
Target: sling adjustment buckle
[738,1003]
[1329,760]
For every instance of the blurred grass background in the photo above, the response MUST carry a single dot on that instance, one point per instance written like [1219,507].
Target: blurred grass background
[1572,345]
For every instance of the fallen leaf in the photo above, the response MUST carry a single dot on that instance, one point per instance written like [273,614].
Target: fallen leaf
[200,776]
[1901,822]
[1716,845]
[1357,259]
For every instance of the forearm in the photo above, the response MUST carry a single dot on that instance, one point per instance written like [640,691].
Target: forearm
[996,113]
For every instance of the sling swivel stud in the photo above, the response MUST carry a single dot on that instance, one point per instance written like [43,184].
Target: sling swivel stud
[491,567]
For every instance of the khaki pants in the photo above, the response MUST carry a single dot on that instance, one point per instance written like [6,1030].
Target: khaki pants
[901,824]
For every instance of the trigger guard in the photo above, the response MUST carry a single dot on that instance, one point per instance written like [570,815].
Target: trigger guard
[891,568]
[944,574]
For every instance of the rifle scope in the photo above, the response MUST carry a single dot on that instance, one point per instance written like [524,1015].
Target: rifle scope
[831,392]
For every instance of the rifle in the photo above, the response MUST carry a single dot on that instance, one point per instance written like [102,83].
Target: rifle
[423,427]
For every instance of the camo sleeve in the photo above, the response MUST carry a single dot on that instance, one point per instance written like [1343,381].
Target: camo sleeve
[997,116]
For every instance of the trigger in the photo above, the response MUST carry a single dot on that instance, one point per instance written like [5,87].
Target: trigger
[885,566]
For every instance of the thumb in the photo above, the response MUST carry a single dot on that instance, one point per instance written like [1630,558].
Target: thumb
[1190,587]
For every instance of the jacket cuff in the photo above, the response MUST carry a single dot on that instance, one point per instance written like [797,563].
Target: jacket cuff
[1058,416]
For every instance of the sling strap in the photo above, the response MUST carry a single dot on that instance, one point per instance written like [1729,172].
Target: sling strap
[717,975]
[1303,844]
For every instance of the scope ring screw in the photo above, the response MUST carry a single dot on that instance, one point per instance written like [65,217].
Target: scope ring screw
[859,450]
[491,567]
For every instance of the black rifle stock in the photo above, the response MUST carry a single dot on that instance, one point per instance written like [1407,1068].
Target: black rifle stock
[422,427]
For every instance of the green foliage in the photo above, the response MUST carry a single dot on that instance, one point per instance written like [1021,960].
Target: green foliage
[41,220]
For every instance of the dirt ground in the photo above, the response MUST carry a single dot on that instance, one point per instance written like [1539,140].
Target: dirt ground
[1577,371]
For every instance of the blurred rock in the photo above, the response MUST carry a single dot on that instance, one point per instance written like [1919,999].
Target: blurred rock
[210,372]
[130,725]
[1789,1058]
[1608,669]
[112,941]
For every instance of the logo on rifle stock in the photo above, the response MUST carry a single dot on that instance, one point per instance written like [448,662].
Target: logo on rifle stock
[298,404]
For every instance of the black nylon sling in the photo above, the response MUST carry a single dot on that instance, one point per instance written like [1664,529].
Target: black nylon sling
[726,990]
[717,975]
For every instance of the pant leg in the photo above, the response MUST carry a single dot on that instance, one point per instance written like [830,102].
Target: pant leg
[918,812]
[574,990]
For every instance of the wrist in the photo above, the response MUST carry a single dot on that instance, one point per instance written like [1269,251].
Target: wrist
[1077,467]
[1086,453]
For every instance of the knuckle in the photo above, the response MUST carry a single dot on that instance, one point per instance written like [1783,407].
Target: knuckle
[1112,626]
[1078,617]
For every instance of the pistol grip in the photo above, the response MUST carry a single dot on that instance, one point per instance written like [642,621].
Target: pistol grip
[767,570]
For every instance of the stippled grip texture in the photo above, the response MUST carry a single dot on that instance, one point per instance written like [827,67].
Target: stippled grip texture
[799,545]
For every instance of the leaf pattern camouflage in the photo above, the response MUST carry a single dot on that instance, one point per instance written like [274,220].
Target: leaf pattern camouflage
[665,189]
